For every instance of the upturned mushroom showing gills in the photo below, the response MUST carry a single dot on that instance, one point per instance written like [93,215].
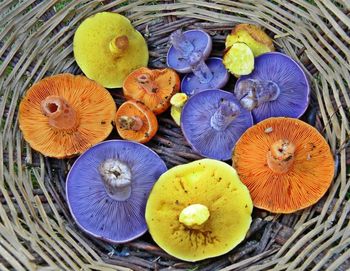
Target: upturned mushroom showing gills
[108,186]
[209,74]
[136,122]
[63,115]
[212,121]
[251,35]
[107,48]
[184,45]
[154,88]
[199,210]
[278,87]
[286,164]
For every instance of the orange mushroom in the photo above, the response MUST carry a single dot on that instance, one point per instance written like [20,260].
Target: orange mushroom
[286,164]
[154,88]
[136,122]
[63,115]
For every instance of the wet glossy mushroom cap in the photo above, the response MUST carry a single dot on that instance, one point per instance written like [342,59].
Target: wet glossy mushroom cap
[286,164]
[64,115]
[108,186]
[278,87]
[183,45]
[212,121]
[211,76]
[107,48]
[199,210]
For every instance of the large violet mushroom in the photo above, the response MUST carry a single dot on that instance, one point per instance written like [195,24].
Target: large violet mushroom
[209,74]
[212,121]
[108,186]
[278,87]
[184,45]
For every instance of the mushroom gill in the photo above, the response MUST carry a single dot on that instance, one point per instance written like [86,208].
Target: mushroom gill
[63,115]
[286,164]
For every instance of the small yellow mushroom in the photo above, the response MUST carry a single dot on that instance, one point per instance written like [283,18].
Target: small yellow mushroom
[177,103]
[199,210]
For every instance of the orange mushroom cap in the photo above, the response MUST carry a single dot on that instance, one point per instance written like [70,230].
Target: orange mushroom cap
[136,122]
[63,115]
[154,88]
[286,164]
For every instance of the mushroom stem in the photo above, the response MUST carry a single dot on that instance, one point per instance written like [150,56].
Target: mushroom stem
[134,123]
[194,214]
[118,45]
[60,114]
[116,177]
[280,157]
[146,82]
[181,43]
[200,69]
[224,115]
[254,92]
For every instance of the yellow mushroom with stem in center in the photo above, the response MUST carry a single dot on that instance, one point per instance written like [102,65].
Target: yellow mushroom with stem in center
[199,210]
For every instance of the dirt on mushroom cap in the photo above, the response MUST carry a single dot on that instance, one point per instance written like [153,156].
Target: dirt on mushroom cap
[307,180]
[95,109]
[208,182]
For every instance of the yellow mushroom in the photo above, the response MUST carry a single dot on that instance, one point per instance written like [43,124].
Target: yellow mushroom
[107,48]
[177,103]
[199,210]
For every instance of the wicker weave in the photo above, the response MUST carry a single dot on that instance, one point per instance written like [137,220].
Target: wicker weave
[36,229]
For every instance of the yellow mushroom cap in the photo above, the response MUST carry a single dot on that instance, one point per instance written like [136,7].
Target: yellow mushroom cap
[107,48]
[213,205]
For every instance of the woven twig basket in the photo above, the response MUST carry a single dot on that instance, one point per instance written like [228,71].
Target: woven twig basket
[36,229]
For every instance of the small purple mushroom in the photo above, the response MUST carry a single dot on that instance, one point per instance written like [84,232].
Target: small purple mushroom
[184,45]
[210,74]
[278,87]
[108,186]
[212,121]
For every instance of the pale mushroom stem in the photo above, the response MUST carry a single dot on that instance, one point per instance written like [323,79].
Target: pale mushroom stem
[116,177]
[146,82]
[130,123]
[181,43]
[254,92]
[280,157]
[194,215]
[178,100]
[118,45]
[60,114]
[200,69]
[224,115]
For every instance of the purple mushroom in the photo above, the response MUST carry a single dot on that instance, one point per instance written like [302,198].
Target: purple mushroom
[184,45]
[212,121]
[210,74]
[108,186]
[278,87]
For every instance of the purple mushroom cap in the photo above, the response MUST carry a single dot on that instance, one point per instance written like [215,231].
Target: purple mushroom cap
[191,84]
[278,87]
[183,45]
[108,186]
[212,121]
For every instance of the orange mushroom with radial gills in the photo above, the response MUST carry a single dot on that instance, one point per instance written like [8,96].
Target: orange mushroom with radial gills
[136,122]
[64,115]
[286,164]
[154,88]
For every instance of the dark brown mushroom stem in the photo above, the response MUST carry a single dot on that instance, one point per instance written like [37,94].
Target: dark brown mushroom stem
[200,69]
[181,43]
[119,44]
[146,82]
[130,123]
[194,215]
[224,115]
[116,177]
[254,92]
[280,157]
[60,114]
